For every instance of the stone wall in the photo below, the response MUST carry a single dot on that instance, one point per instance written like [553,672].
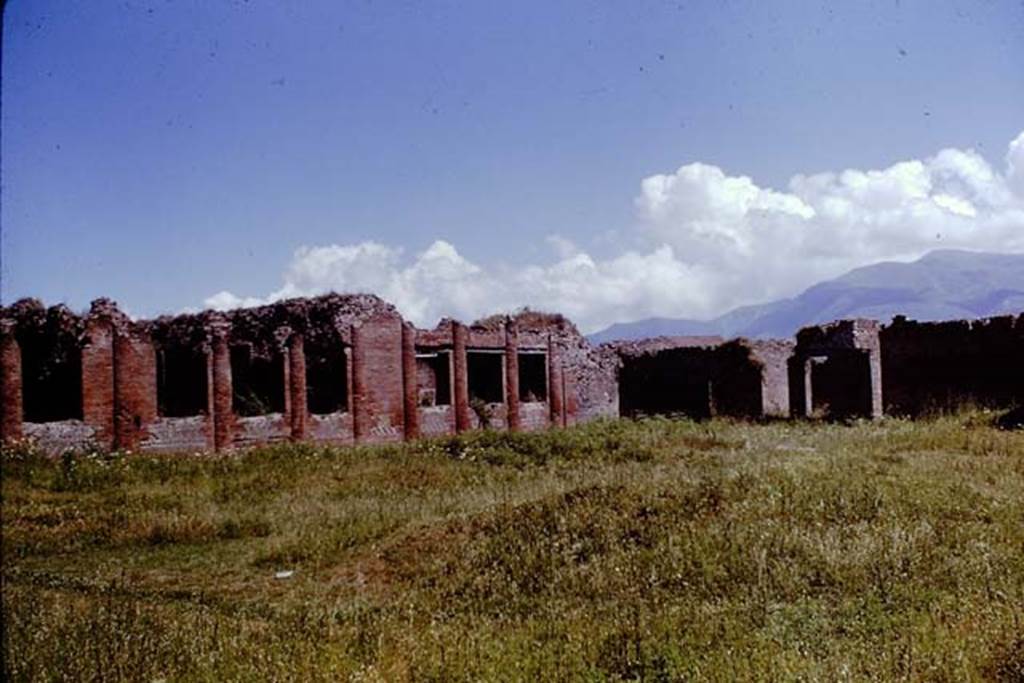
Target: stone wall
[773,356]
[836,370]
[929,367]
[739,378]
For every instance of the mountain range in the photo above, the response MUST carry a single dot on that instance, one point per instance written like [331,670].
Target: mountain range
[941,285]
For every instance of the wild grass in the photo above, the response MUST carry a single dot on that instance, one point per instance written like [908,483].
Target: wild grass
[650,550]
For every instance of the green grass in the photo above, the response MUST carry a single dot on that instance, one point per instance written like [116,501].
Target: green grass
[652,550]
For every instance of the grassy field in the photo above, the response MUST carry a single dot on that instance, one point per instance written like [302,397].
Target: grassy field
[652,550]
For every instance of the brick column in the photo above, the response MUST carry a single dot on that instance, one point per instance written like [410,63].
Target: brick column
[223,410]
[286,383]
[134,388]
[11,413]
[555,395]
[360,425]
[210,428]
[379,415]
[98,396]
[350,391]
[512,376]
[297,386]
[410,385]
[461,379]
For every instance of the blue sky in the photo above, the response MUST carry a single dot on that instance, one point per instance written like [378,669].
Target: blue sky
[465,157]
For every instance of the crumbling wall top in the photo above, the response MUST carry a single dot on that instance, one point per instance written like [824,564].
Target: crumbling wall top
[33,321]
[1002,323]
[527,320]
[858,333]
[653,345]
[321,320]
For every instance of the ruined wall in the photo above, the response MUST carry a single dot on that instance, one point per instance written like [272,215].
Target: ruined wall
[589,374]
[43,347]
[583,383]
[103,380]
[265,341]
[836,370]
[773,356]
[348,369]
[50,344]
[928,367]
[134,388]
[666,382]
[437,420]
[187,374]
[699,381]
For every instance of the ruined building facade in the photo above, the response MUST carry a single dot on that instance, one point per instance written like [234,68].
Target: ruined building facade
[337,369]
[349,369]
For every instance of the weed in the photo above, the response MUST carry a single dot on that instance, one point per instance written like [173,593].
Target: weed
[618,550]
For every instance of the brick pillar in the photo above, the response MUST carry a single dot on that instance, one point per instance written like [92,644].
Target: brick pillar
[461,379]
[297,386]
[223,410]
[410,385]
[134,388]
[11,413]
[98,396]
[350,391]
[286,382]
[360,418]
[377,380]
[512,376]
[555,395]
[210,426]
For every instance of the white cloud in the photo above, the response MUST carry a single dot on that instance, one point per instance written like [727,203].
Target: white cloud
[562,246]
[710,241]
[1015,165]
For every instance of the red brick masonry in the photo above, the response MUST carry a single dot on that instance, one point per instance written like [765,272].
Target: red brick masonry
[179,383]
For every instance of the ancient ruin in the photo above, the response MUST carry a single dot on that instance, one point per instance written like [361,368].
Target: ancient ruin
[348,369]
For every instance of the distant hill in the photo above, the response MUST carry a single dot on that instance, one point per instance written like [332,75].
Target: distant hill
[941,285]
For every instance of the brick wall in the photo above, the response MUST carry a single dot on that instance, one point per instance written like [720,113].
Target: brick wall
[437,420]
[135,388]
[98,379]
[10,384]
[109,364]
[534,416]
[332,428]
